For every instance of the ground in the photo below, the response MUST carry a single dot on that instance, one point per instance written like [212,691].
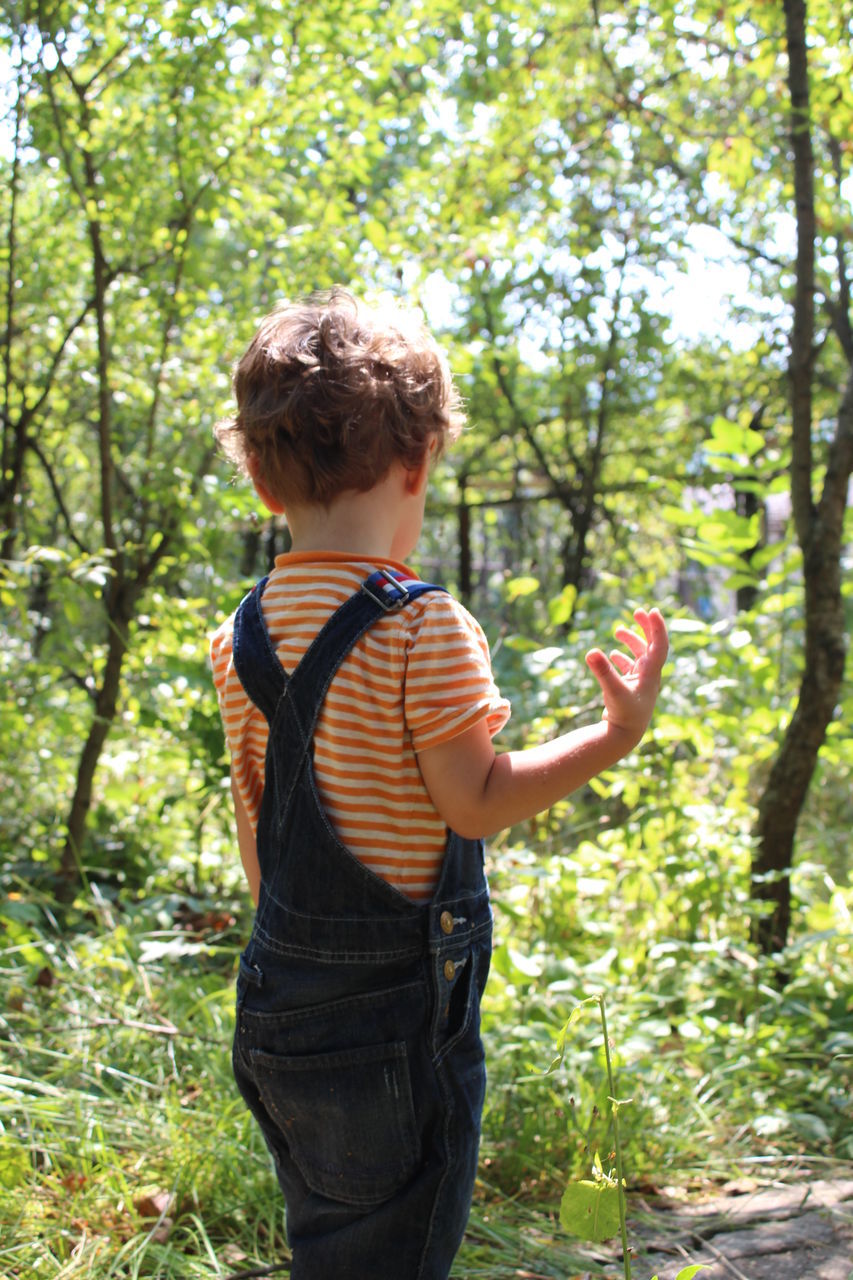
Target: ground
[799,1229]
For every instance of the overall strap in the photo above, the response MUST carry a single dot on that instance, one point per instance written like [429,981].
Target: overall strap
[265,679]
[259,670]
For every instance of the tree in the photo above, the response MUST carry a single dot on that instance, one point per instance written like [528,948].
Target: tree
[818,516]
[708,114]
[547,237]
[762,145]
[170,168]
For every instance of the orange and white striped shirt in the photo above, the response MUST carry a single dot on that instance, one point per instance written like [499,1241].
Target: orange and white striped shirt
[418,677]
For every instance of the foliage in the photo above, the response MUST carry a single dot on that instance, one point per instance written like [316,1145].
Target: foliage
[169,173]
[645,895]
[118,1093]
[596,1210]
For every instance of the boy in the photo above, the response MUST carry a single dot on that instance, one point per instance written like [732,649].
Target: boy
[359,708]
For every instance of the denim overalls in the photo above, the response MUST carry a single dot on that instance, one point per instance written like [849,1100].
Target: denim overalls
[357,1044]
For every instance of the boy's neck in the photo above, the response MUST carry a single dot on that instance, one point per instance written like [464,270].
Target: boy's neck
[365,524]
[337,528]
[364,548]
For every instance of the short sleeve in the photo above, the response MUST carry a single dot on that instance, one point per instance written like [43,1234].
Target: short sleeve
[220,656]
[449,685]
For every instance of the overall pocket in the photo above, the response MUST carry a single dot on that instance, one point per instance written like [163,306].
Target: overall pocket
[347,1118]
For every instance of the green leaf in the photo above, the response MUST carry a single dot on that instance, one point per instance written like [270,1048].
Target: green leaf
[687,1273]
[517,587]
[570,1022]
[734,437]
[687,517]
[590,1210]
[530,966]
[685,625]
[560,609]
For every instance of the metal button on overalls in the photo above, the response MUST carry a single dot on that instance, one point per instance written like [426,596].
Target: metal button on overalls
[449,970]
[446,922]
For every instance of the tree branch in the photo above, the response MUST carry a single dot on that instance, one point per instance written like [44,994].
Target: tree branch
[33,409]
[33,444]
[521,418]
[102,278]
[80,682]
[604,389]
[96,75]
[11,242]
[752,251]
[60,135]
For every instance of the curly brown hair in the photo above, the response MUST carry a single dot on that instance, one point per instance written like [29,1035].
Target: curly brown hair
[331,392]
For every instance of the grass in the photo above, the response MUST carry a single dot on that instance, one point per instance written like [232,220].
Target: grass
[126,1152]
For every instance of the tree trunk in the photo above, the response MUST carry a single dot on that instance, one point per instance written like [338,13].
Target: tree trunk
[120,610]
[820,534]
[785,793]
[747,505]
[463,510]
[575,549]
[251,549]
[14,443]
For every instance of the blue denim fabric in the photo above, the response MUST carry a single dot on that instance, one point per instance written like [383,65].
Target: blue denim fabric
[357,1045]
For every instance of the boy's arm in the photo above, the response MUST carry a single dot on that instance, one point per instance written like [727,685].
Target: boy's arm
[478,792]
[246,841]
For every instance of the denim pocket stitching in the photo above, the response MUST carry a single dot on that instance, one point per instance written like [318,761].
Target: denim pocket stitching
[347,1118]
[385,997]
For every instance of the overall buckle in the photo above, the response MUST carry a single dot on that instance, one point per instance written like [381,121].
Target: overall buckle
[386,591]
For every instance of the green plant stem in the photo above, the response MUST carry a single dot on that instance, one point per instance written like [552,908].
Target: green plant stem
[615,1105]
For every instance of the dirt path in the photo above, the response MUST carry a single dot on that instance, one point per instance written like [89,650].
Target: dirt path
[785,1231]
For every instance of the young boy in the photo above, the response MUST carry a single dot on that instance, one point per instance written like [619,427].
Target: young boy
[359,708]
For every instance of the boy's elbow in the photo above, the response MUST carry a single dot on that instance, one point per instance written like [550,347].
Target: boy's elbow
[472,820]
[461,817]
[488,807]
[459,780]
[469,829]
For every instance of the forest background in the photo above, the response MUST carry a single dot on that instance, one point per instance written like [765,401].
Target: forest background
[629,226]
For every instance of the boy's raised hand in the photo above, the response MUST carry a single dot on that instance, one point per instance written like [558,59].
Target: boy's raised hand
[478,792]
[631,685]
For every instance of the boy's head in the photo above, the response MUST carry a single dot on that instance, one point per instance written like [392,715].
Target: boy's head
[331,392]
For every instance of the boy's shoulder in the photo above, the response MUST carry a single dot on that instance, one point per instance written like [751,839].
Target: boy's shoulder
[434,615]
[436,603]
[438,618]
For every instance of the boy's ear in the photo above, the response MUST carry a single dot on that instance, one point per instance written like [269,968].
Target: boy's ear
[417,476]
[270,501]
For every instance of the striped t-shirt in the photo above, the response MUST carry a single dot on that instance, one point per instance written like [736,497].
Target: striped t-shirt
[418,677]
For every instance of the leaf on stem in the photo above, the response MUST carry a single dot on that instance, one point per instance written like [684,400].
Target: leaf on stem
[687,1273]
[590,1210]
[561,1038]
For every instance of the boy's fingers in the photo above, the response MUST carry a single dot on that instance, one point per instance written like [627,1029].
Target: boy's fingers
[635,643]
[658,637]
[604,672]
[652,647]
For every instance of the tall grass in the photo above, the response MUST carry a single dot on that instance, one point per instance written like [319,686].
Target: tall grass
[124,1148]
[126,1152]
